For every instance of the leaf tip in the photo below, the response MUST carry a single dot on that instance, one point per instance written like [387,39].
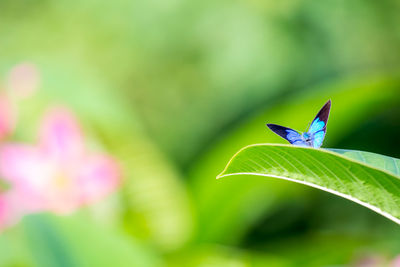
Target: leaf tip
[219,176]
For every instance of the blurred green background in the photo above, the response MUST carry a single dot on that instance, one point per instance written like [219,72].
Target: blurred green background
[172,89]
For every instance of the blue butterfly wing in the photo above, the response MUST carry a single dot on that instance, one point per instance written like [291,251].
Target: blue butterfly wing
[290,135]
[318,139]
[318,126]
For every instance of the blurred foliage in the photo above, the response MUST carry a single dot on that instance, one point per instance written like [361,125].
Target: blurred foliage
[172,89]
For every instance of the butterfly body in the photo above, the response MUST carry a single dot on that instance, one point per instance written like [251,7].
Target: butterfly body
[315,134]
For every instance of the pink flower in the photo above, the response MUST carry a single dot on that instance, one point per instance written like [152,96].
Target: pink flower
[58,174]
[22,82]
[23,79]
[3,211]
[9,214]
[396,262]
[7,117]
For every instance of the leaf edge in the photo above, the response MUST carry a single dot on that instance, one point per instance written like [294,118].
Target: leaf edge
[351,198]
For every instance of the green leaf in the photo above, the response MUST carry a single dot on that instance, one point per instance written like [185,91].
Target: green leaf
[376,160]
[377,188]
[355,100]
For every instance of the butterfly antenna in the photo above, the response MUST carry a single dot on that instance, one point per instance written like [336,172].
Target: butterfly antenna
[308,127]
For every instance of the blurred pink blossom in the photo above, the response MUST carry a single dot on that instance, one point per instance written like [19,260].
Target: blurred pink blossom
[23,79]
[9,214]
[7,117]
[58,174]
[3,211]
[396,262]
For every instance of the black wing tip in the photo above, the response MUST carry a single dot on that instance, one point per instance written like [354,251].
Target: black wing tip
[323,113]
[326,106]
[328,103]
[273,126]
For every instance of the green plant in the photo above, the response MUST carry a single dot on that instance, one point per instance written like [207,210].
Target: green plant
[369,179]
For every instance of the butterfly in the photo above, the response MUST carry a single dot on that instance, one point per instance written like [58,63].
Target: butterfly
[315,134]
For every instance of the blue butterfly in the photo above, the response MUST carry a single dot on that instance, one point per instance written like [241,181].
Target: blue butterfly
[313,137]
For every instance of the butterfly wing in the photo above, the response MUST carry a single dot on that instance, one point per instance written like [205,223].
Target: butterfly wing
[318,126]
[289,134]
